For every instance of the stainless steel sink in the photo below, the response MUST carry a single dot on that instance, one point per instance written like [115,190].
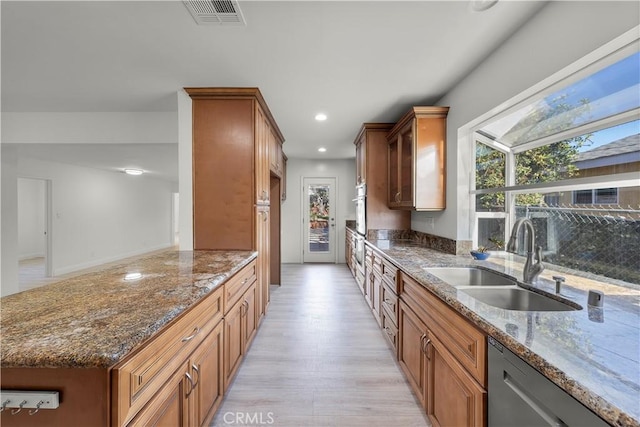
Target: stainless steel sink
[516,298]
[469,276]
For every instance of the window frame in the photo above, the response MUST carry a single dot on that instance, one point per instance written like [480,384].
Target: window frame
[617,49]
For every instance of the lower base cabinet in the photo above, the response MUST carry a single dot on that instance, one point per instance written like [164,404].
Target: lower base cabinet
[444,358]
[450,386]
[241,323]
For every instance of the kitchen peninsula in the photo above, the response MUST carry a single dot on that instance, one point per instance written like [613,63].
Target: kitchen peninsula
[113,343]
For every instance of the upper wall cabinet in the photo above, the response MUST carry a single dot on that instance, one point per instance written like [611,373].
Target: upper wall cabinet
[417,159]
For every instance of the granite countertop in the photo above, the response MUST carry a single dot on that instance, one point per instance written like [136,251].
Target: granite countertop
[593,353]
[95,319]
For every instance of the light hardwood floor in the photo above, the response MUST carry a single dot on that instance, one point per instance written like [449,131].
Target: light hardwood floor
[319,359]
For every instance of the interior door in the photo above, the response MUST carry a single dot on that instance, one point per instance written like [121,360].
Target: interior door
[319,225]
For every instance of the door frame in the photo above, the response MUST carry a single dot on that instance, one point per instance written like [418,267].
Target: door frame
[48,223]
[303,211]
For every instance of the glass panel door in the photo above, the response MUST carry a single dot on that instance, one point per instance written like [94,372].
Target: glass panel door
[319,220]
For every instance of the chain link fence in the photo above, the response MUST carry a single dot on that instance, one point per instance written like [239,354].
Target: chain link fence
[604,240]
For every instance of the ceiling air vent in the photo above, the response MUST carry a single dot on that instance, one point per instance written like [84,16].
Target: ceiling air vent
[215,12]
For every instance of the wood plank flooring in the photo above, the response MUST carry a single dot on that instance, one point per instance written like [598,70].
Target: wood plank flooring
[319,359]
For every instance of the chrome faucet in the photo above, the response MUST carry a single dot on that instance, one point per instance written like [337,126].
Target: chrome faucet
[531,270]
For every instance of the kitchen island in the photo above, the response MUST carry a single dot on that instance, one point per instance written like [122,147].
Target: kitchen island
[593,354]
[78,329]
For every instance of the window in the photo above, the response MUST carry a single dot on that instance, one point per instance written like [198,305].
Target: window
[602,196]
[568,158]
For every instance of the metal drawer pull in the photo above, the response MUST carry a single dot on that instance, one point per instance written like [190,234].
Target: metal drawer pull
[426,348]
[186,374]
[190,337]
[4,405]
[197,371]
[245,280]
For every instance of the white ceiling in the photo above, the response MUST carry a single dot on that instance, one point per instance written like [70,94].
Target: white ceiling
[359,61]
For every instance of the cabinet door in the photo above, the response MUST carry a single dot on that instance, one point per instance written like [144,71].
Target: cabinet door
[394,196]
[169,407]
[233,344]
[376,292]
[263,135]
[453,397]
[263,227]
[361,156]
[411,341]
[250,317]
[207,364]
[406,166]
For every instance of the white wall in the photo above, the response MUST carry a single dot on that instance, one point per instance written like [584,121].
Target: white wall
[98,216]
[291,215]
[185,170]
[558,35]
[31,218]
[9,228]
[89,128]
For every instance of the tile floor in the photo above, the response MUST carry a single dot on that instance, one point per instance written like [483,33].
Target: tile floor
[319,359]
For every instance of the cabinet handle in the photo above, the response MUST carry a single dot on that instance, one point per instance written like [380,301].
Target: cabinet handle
[422,340]
[197,371]
[398,197]
[264,195]
[388,331]
[245,281]
[190,337]
[426,348]
[186,374]
[265,216]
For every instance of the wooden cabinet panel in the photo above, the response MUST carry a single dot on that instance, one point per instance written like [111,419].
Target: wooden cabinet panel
[391,331]
[263,229]
[233,344]
[371,162]
[207,365]
[283,182]
[453,397]
[238,284]
[467,343]
[138,377]
[390,275]
[223,176]
[389,303]
[411,337]
[417,160]
[250,326]
[169,407]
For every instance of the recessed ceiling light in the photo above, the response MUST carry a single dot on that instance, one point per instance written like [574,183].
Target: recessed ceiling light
[482,5]
[133,171]
[322,149]
[132,276]
[321,117]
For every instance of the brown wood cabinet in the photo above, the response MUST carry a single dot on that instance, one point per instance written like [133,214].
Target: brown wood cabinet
[443,357]
[236,146]
[417,160]
[283,181]
[241,323]
[371,163]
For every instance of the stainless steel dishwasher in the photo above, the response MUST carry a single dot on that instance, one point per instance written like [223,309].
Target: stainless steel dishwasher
[521,396]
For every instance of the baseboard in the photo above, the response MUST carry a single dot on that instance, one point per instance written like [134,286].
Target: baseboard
[96,262]
[29,256]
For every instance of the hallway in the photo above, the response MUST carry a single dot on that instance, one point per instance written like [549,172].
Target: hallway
[319,359]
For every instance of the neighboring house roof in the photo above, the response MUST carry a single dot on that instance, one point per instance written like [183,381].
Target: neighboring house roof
[625,150]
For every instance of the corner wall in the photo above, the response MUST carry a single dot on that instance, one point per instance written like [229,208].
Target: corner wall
[98,216]
[561,33]
[345,171]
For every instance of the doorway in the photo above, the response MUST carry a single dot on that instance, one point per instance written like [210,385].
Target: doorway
[34,238]
[319,225]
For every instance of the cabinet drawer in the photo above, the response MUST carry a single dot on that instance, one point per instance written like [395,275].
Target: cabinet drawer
[390,275]
[238,285]
[390,329]
[461,338]
[389,302]
[377,263]
[140,375]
